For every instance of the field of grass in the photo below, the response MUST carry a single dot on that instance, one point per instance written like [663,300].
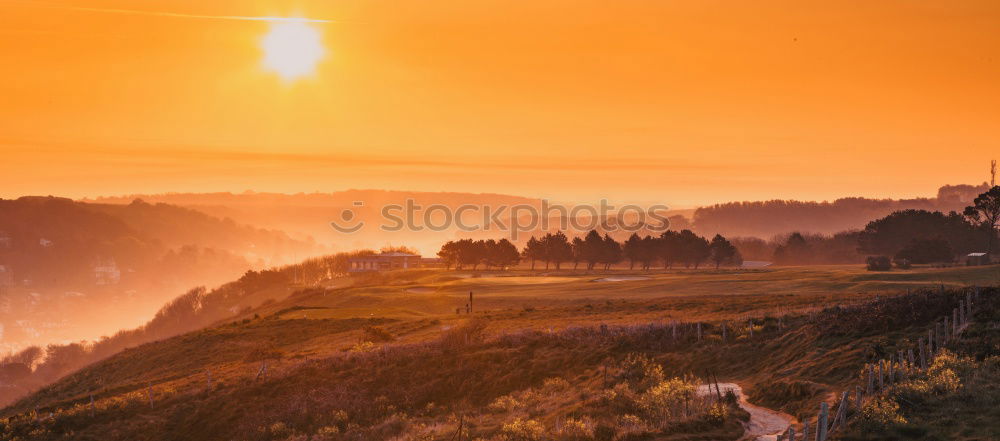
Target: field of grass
[387,354]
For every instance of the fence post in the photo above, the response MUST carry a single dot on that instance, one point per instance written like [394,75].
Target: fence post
[909,354]
[751,328]
[891,368]
[699,331]
[857,397]
[881,384]
[791,433]
[930,345]
[954,323]
[805,431]
[923,356]
[723,332]
[946,332]
[821,424]
[871,380]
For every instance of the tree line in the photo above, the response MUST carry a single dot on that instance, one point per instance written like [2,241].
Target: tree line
[593,250]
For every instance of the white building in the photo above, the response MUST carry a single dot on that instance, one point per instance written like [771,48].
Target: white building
[107,273]
[384,262]
[6,276]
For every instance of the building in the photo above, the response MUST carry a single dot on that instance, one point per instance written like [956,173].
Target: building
[107,273]
[45,243]
[973,259]
[5,241]
[6,276]
[383,262]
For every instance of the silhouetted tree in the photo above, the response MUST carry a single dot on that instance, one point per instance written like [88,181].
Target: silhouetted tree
[795,250]
[722,251]
[558,249]
[693,248]
[888,235]
[579,249]
[926,251]
[533,251]
[668,247]
[985,211]
[632,250]
[611,252]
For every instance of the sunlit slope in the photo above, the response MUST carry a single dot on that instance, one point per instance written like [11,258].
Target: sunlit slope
[713,294]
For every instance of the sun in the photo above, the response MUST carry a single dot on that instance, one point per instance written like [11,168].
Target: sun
[292,49]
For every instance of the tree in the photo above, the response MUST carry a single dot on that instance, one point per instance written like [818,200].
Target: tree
[449,253]
[533,251]
[632,250]
[578,251]
[722,251]
[985,211]
[558,249]
[795,250]
[648,250]
[592,249]
[668,247]
[888,235]
[502,253]
[610,252]
[693,249]
[926,251]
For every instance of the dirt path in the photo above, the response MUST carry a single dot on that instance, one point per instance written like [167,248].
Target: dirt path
[765,424]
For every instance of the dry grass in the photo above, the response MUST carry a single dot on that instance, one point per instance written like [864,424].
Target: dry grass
[440,367]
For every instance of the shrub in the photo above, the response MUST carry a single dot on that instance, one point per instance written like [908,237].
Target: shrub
[471,332]
[364,346]
[881,413]
[718,413]
[522,430]
[878,263]
[506,403]
[666,400]
[640,372]
[575,430]
[902,263]
[375,334]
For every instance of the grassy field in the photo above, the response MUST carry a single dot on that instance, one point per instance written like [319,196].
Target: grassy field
[519,300]
[389,353]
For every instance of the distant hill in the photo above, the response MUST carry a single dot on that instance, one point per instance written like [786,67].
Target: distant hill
[766,219]
[308,215]
[74,270]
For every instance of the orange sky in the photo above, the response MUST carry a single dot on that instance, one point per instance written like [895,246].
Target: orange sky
[681,102]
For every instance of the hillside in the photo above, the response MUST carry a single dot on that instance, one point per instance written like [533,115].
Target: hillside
[769,218]
[387,357]
[74,271]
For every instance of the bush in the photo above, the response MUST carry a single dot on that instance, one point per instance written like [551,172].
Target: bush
[880,413]
[666,400]
[878,263]
[522,430]
[640,372]
[506,403]
[375,334]
[471,332]
[575,430]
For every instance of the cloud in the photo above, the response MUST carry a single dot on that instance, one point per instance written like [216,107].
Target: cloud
[181,15]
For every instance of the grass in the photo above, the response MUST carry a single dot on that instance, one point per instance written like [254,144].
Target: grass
[427,370]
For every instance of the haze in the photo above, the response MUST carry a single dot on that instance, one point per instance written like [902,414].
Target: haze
[686,103]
